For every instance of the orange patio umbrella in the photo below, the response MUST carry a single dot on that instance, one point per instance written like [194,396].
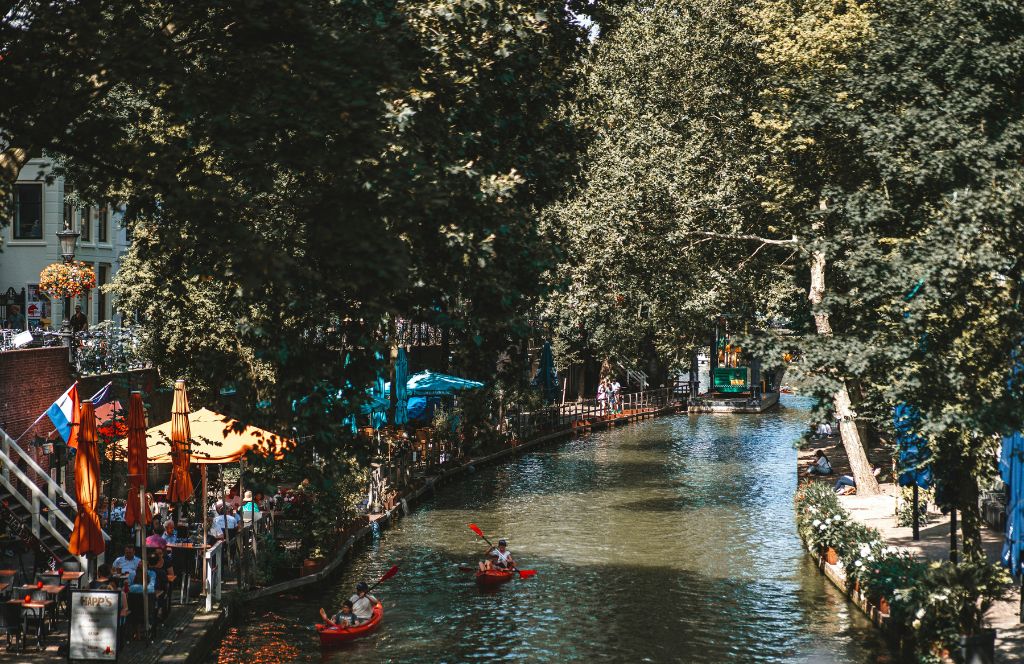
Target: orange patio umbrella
[137,464]
[179,489]
[87,537]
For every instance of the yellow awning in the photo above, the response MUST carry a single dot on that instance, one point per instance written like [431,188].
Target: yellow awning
[215,438]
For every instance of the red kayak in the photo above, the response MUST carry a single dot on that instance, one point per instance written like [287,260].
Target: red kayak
[493,577]
[332,635]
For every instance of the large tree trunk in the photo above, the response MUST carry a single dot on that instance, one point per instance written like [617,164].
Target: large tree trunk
[859,464]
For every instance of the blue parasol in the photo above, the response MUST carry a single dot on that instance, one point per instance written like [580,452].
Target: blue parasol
[378,418]
[546,378]
[914,456]
[401,376]
[430,384]
[1011,468]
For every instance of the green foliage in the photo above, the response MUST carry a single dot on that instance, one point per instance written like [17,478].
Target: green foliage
[894,571]
[946,601]
[666,103]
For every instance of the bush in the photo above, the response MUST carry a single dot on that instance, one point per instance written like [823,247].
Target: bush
[946,601]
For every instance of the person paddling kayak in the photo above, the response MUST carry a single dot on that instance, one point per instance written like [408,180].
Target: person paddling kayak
[498,558]
[360,607]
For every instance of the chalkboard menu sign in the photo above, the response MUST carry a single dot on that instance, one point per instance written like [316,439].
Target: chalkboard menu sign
[93,633]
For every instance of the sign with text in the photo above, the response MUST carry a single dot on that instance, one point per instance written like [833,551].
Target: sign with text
[93,632]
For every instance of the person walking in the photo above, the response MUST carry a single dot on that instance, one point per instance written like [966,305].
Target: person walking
[602,397]
[616,388]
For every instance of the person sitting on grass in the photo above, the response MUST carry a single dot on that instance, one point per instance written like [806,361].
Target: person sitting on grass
[820,466]
[343,618]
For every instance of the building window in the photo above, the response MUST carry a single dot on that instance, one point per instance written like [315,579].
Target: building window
[28,212]
[101,228]
[86,223]
[102,277]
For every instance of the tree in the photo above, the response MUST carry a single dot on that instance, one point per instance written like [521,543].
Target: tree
[666,104]
[273,245]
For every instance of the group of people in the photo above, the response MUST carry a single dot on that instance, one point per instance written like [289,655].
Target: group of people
[821,466]
[609,397]
[127,576]
[358,609]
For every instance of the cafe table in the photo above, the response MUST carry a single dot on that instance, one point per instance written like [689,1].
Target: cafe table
[38,610]
[53,590]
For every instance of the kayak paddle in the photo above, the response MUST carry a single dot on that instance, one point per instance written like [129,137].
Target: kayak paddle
[387,575]
[523,573]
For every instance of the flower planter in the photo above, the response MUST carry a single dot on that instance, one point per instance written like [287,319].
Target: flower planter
[831,557]
[978,648]
[312,566]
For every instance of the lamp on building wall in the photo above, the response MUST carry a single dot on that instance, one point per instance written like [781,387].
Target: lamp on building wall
[68,239]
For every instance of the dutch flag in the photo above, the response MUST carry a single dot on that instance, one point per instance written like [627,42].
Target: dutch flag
[64,415]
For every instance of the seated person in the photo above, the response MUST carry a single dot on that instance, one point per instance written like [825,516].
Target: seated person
[343,618]
[170,533]
[498,558]
[821,465]
[103,580]
[136,584]
[128,563]
[155,541]
[847,485]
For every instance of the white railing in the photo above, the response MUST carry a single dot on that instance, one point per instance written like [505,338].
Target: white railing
[634,376]
[213,560]
[10,452]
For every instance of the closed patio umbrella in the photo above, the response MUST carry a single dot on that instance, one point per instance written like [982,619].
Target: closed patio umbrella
[378,417]
[137,464]
[1011,468]
[401,393]
[87,537]
[180,489]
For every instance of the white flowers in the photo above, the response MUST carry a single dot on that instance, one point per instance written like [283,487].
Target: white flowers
[822,527]
[816,523]
[859,563]
[920,614]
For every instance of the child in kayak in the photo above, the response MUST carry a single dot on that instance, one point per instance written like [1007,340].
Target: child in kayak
[498,558]
[343,618]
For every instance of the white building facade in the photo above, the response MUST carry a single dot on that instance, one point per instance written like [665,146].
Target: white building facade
[30,243]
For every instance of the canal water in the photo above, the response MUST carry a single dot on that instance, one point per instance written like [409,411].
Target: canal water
[669,540]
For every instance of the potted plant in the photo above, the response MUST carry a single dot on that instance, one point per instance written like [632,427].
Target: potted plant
[947,605]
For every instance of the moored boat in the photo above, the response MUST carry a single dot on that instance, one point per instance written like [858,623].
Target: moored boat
[332,635]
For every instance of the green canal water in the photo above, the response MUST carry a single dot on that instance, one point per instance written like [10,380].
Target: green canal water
[670,540]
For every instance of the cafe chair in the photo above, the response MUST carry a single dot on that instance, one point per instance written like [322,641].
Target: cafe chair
[10,623]
[36,619]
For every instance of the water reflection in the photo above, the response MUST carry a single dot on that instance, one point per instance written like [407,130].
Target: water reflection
[670,540]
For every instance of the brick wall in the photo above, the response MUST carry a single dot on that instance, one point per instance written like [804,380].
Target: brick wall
[31,380]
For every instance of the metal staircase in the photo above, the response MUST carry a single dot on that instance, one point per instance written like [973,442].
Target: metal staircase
[42,517]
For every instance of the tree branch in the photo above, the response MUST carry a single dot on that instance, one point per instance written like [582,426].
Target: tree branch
[753,238]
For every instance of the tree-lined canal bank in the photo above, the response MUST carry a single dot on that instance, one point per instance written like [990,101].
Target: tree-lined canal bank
[668,540]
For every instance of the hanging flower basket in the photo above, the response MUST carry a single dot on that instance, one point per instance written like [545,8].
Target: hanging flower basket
[60,280]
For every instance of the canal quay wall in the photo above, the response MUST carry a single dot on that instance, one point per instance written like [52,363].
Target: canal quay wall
[194,641]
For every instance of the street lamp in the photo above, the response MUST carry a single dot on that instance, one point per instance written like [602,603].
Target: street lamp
[68,239]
